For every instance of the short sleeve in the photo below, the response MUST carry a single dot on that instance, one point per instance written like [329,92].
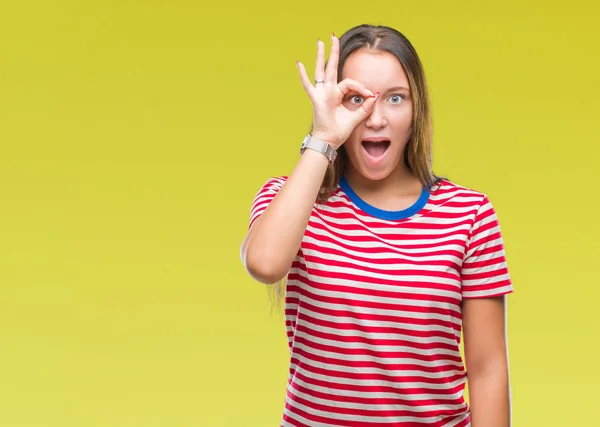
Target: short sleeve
[264,196]
[484,270]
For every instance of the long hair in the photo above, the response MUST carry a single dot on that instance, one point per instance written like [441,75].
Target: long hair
[418,151]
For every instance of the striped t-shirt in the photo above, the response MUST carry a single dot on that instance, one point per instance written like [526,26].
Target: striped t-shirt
[373,306]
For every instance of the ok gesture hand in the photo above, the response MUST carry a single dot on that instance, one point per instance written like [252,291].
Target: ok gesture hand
[332,121]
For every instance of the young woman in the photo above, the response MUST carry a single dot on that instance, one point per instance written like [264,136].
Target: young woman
[381,263]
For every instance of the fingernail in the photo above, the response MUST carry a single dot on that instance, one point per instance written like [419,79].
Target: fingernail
[333,34]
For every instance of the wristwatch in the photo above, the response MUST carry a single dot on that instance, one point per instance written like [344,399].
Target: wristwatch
[319,146]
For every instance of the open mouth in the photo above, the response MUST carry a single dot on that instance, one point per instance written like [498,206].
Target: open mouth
[376,149]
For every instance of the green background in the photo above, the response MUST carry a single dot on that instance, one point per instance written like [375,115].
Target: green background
[134,135]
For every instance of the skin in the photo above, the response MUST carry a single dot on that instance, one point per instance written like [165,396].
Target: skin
[484,328]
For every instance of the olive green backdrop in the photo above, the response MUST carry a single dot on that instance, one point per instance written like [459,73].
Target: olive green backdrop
[134,135]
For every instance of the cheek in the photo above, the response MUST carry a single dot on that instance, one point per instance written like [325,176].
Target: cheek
[355,137]
[401,119]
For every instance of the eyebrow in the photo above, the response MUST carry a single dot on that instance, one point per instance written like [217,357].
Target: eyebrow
[396,88]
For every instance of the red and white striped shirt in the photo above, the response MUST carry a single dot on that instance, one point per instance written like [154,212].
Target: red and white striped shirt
[373,306]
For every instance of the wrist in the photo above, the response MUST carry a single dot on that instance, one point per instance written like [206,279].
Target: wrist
[326,138]
[314,156]
[322,147]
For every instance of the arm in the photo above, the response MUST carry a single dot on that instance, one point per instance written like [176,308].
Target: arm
[274,238]
[484,325]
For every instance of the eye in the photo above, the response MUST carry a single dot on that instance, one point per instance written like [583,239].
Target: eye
[356,99]
[397,99]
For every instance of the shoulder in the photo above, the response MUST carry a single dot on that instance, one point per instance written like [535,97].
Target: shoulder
[446,191]
[276,180]
[273,183]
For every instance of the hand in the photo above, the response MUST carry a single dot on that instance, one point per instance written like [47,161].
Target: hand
[332,121]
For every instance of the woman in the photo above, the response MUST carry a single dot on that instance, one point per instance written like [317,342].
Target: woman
[385,262]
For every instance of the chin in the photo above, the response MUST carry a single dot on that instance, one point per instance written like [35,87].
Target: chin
[374,175]
[375,168]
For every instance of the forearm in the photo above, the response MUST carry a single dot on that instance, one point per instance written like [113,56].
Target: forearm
[275,238]
[489,396]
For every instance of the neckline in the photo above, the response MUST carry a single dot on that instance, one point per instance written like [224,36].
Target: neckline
[381,213]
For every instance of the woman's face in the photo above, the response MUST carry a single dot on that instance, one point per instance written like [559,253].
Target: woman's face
[376,146]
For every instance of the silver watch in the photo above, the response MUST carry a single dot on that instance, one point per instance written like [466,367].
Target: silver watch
[319,146]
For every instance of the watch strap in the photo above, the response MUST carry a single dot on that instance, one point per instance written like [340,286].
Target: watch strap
[319,146]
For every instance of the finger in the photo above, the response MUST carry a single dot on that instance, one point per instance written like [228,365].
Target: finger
[368,105]
[331,74]
[365,109]
[320,62]
[348,85]
[308,87]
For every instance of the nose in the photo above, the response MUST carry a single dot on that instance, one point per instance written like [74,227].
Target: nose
[376,119]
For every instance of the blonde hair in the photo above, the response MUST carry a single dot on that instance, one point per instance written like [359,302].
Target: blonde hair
[418,151]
